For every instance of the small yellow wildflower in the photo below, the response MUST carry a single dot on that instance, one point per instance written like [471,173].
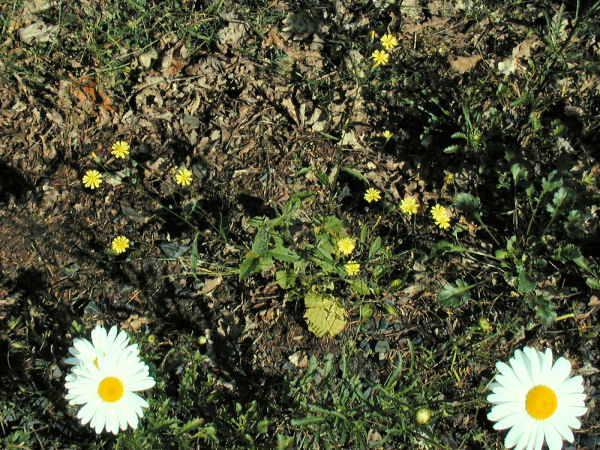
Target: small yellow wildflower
[120,149]
[92,179]
[387,134]
[345,246]
[352,268]
[438,211]
[183,176]
[120,244]
[443,222]
[409,205]
[389,41]
[372,195]
[380,57]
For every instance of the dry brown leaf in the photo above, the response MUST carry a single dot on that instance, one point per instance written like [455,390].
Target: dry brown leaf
[210,285]
[463,64]
[135,322]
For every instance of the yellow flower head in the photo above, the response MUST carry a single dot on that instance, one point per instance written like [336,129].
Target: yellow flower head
[345,246]
[120,149]
[387,134]
[352,268]
[372,195]
[409,205]
[380,57]
[389,41]
[120,244]
[183,176]
[92,179]
[438,211]
[443,222]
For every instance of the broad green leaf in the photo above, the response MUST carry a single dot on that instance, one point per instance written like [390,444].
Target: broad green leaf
[375,247]
[264,263]
[594,283]
[285,279]
[324,314]
[261,241]
[454,294]
[360,287]
[332,225]
[466,203]
[356,174]
[284,254]
[248,266]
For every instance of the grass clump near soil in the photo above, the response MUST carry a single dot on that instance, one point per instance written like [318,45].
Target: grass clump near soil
[322,223]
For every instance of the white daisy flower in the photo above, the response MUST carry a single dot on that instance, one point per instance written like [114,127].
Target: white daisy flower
[106,391]
[102,344]
[537,400]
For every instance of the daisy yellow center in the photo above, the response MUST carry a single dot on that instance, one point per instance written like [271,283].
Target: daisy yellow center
[110,389]
[541,402]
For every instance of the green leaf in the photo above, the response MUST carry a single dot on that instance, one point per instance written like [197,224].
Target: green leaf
[360,287]
[526,284]
[363,233]
[396,285]
[568,252]
[455,294]
[194,256]
[544,309]
[284,442]
[285,279]
[261,241]
[332,225]
[191,425]
[550,183]
[323,178]
[284,254]
[452,149]
[375,247]
[356,174]
[263,426]
[248,266]
[303,171]
[519,172]
[594,283]
[467,203]
[459,135]
[264,263]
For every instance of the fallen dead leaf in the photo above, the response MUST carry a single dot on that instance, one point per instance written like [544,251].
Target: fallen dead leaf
[463,64]
[210,285]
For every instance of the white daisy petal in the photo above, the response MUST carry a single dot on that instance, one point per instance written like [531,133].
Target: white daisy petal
[541,419]
[570,386]
[503,410]
[563,429]
[105,385]
[561,370]
[521,369]
[539,436]
[531,355]
[515,433]
[553,438]
[526,436]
